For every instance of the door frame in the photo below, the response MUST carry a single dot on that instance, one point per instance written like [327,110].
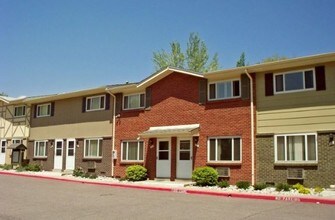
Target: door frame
[67,153]
[178,150]
[4,153]
[61,156]
[157,155]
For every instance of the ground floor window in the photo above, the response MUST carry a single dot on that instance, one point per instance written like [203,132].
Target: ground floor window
[224,149]
[40,149]
[132,150]
[3,146]
[295,148]
[93,148]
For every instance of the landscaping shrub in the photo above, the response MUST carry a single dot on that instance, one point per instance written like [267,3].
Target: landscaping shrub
[7,167]
[297,186]
[223,184]
[260,186]
[304,190]
[136,173]
[282,187]
[243,184]
[318,189]
[93,176]
[33,167]
[205,176]
[78,172]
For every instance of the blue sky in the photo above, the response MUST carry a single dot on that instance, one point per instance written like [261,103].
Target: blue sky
[49,47]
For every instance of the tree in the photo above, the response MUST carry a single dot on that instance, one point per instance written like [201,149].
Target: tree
[3,94]
[241,61]
[195,58]
[273,58]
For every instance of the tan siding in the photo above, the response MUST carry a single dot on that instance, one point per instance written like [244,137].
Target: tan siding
[297,112]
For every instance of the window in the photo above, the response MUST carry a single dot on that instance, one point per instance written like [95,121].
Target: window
[3,146]
[296,148]
[16,141]
[224,149]
[294,81]
[133,101]
[44,110]
[19,111]
[224,90]
[93,148]
[95,103]
[40,149]
[132,150]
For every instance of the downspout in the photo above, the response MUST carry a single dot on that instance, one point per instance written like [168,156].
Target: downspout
[113,137]
[252,129]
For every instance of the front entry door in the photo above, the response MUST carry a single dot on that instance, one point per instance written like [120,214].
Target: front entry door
[163,163]
[70,154]
[58,161]
[2,151]
[184,159]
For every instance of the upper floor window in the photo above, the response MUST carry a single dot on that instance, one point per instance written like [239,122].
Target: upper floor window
[224,90]
[19,111]
[132,150]
[134,101]
[40,149]
[294,81]
[296,148]
[43,110]
[95,103]
[225,149]
[3,146]
[16,141]
[93,148]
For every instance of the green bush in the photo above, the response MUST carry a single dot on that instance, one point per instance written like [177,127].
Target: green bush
[33,167]
[260,186]
[136,173]
[205,176]
[93,176]
[318,189]
[7,167]
[78,172]
[283,187]
[86,175]
[223,184]
[20,169]
[243,184]
[297,186]
[304,190]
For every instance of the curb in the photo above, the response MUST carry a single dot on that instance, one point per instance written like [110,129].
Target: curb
[188,191]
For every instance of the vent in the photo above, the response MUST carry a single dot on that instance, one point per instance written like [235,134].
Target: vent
[223,171]
[296,173]
[91,164]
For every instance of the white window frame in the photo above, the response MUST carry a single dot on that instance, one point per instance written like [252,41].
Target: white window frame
[296,90]
[38,112]
[89,99]
[3,147]
[138,150]
[216,90]
[98,152]
[306,151]
[45,150]
[24,112]
[133,94]
[224,161]
[16,139]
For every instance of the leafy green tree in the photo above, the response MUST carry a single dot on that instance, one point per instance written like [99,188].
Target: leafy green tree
[273,58]
[195,58]
[3,94]
[241,61]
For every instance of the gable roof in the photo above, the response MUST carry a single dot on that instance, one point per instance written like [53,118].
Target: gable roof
[8,100]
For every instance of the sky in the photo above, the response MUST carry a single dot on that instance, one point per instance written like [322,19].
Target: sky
[49,47]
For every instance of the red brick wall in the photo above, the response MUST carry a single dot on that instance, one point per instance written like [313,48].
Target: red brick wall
[175,101]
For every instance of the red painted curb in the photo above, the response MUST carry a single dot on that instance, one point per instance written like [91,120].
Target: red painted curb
[189,191]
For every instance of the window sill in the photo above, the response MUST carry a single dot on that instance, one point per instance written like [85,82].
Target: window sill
[92,158]
[226,163]
[288,164]
[40,158]
[95,110]
[132,162]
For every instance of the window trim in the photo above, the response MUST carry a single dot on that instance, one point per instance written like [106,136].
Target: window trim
[46,146]
[91,97]
[138,152]
[296,90]
[42,116]
[232,89]
[17,139]
[5,147]
[132,94]
[93,157]
[224,161]
[285,150]
[24,113]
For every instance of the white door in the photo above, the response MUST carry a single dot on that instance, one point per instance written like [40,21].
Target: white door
[184,159]
[70,154]
[163,163]
[58,159]
[3,151]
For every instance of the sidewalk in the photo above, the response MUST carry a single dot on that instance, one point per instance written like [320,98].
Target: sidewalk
[327,196]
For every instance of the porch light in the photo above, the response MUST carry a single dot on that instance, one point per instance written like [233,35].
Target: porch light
[196,141]
[151,143]
[331,139]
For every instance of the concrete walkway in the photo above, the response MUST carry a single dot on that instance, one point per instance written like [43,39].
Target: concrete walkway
[180,186]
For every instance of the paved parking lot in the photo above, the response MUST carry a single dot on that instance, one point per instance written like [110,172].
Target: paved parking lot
[27,198]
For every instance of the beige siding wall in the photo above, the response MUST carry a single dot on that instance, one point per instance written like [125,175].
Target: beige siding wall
[296,112]
[70,122]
